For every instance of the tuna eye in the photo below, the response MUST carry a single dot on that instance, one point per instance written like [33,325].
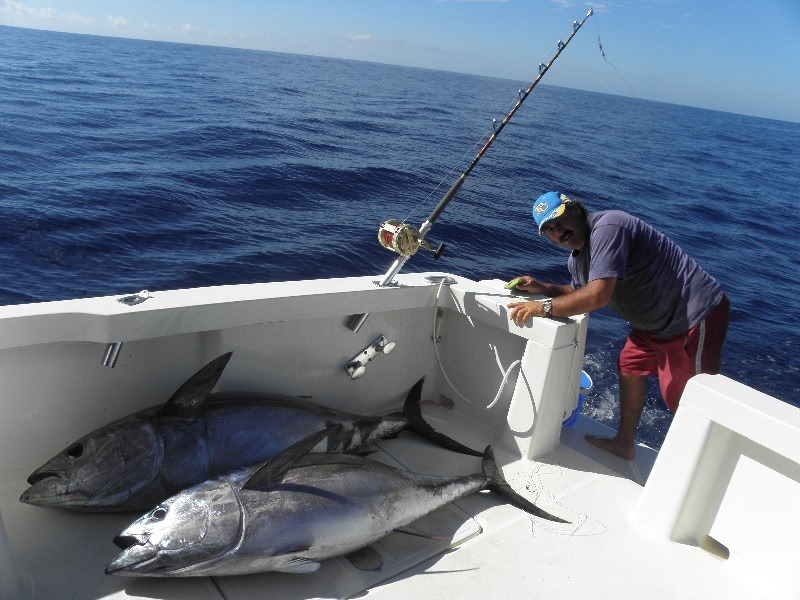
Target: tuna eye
[159,514]
[74,451]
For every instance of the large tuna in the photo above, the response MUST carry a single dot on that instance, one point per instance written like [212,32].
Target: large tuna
[137,461]
[289,514]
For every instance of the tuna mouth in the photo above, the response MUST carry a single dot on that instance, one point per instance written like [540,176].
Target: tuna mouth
[38,476]
[50,491]
[133,560]
[131,539]
[136,557]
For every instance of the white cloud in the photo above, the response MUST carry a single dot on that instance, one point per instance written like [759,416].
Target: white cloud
[76,17]
[359,37]
[17,8]
[191,29]
[218,33]
[117,21]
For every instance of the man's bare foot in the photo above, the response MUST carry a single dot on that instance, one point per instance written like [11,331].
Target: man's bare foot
[612,445]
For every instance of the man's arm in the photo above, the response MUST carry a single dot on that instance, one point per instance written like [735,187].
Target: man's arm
[568,302]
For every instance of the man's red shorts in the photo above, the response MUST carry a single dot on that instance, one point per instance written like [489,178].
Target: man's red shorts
[675,359]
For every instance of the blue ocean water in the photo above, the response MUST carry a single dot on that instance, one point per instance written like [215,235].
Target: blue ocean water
[130,165]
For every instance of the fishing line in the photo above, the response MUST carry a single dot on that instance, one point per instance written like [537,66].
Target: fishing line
[532,479]
[448,176]
[470,152]
[516,363]
[613,66]
[497,124]
[405,239]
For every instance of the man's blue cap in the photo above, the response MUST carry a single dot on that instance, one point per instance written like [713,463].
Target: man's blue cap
[549,207]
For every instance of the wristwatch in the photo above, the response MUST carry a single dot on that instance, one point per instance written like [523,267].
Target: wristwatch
[547,308]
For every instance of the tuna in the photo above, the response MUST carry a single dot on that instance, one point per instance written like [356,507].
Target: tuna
[290,513]
[137,461]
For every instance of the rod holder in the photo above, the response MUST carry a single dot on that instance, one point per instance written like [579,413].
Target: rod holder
[111,354]
[357,322]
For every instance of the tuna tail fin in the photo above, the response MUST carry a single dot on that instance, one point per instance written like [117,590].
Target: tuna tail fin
[498,484]
[417,424]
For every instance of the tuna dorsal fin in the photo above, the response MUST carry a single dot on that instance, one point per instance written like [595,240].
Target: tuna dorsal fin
[276,466]
[417,424]
[190,396]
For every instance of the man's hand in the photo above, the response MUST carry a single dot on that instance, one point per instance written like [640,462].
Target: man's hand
[529,284]
[593,295]
[522,311]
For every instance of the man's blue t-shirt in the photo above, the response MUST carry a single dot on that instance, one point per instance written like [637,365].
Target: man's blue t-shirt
[660,289]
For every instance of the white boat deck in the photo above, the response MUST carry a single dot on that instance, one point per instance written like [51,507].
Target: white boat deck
[728,473]
[500,551]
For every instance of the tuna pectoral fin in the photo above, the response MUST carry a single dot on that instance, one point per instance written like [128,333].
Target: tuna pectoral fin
[274,469]
[418,425]
[289,563]
[498,484]
[190,396]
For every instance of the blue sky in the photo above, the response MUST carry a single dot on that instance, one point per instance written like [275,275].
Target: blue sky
[736,56]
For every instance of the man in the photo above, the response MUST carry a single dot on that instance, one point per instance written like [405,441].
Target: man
[678,312]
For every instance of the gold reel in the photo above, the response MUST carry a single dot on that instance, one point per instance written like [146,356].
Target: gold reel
[404,239]
[399,237]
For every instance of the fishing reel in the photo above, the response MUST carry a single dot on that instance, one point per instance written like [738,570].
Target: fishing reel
[404,239]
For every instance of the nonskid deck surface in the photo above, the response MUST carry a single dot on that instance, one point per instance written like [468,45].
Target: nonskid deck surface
[498,551]
[601,555]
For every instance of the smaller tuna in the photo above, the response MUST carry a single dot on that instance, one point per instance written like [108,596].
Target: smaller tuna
[290,513]
[141,459]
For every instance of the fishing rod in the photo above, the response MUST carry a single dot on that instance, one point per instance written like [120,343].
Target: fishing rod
[405,239]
